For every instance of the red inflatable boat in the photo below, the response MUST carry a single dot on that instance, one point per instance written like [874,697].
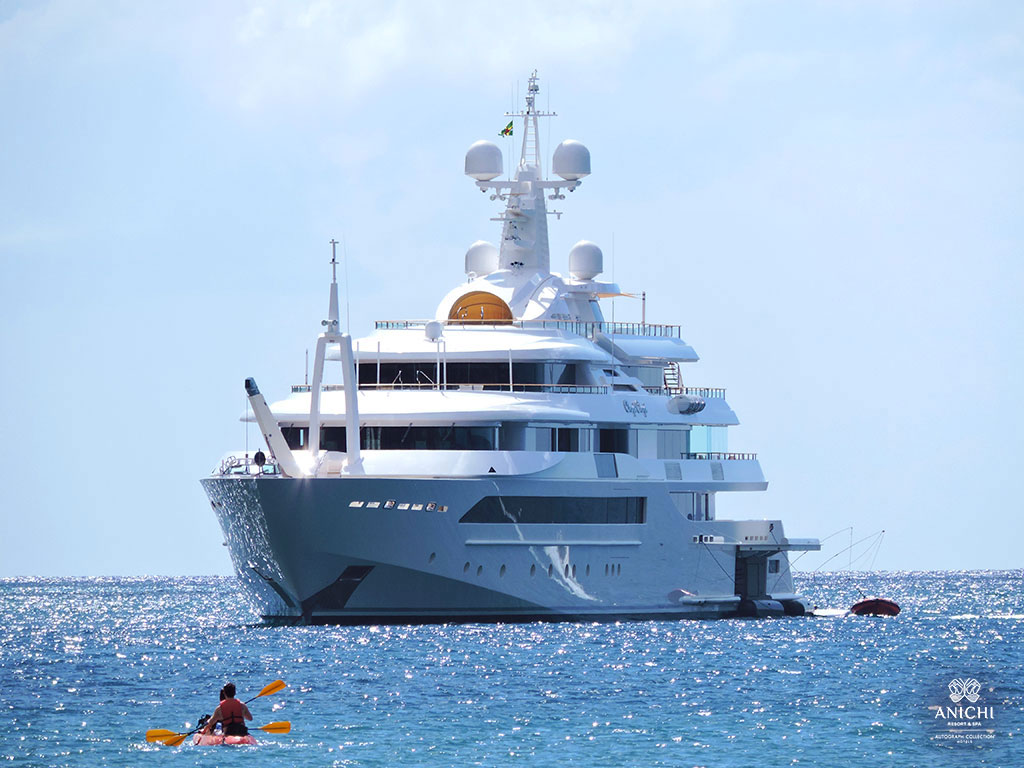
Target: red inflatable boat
[875,606]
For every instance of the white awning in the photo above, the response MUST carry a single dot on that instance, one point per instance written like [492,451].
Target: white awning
[648,348]
[428,407]
[469,343]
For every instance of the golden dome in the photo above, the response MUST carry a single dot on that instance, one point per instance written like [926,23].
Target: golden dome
[480,307]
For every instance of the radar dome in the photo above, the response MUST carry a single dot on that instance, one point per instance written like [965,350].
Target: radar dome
[483,161]
[585,261]
[571,160]
[481,259]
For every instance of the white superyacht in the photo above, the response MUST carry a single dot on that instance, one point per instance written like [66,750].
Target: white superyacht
[516,458]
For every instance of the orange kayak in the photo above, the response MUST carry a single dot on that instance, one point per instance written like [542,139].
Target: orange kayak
[211,740]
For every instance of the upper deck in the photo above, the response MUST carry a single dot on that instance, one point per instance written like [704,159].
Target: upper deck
[516,357]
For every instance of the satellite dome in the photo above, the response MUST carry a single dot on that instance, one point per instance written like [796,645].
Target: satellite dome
[571,160]
[481,259]
[433,330]
[585,261]
[483,161]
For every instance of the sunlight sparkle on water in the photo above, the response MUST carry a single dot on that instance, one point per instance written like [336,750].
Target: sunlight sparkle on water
[87,665]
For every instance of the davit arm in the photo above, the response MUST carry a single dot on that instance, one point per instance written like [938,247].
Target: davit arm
[272,431]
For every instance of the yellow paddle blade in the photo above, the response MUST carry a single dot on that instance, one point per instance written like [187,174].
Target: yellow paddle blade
[280,727]
[156,734]
[175,740]
[273,687]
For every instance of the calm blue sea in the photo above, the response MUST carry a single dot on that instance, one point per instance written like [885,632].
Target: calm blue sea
[88,665]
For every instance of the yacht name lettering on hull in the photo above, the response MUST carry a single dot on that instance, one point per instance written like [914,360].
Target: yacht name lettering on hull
[635,408]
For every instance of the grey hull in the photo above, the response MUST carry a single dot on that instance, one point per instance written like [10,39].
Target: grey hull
[304,553]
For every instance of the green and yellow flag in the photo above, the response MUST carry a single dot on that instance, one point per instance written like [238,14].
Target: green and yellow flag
[507,131]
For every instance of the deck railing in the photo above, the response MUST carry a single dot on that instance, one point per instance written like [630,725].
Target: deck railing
[708,392]
[246,465]
[580,328]
[493,386]
[716,456]
[490,386]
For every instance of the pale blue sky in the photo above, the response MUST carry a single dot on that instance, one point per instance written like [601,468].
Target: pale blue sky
[827,196]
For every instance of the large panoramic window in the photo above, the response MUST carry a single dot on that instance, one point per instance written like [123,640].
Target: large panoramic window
[493,374]
[562,510]
[426,372]
[407,438]
[429,438]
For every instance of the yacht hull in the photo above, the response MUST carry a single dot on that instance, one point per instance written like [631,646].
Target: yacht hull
[312,550]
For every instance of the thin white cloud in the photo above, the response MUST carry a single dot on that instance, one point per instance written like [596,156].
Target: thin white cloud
[261,56]
[271,54]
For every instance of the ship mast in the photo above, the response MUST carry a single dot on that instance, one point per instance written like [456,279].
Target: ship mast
[524,237]
[353,461]
[531,135]
[524,250]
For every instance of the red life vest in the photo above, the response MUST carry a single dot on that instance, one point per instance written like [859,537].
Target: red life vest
[231,716]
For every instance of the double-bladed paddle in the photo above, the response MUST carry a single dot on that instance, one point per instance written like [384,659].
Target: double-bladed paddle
[269,689]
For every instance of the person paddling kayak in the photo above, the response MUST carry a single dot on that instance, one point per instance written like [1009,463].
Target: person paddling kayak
[231,713]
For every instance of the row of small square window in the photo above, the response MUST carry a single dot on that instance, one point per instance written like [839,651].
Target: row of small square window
[569,571]
[431,506]
[755,538]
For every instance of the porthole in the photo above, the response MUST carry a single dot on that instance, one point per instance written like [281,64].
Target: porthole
[618,569]
[479,570]
[465,568]
[502,571]
[533,570]
[588,569]
[566,570]
[432,558]
[606,569]
[551,571]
